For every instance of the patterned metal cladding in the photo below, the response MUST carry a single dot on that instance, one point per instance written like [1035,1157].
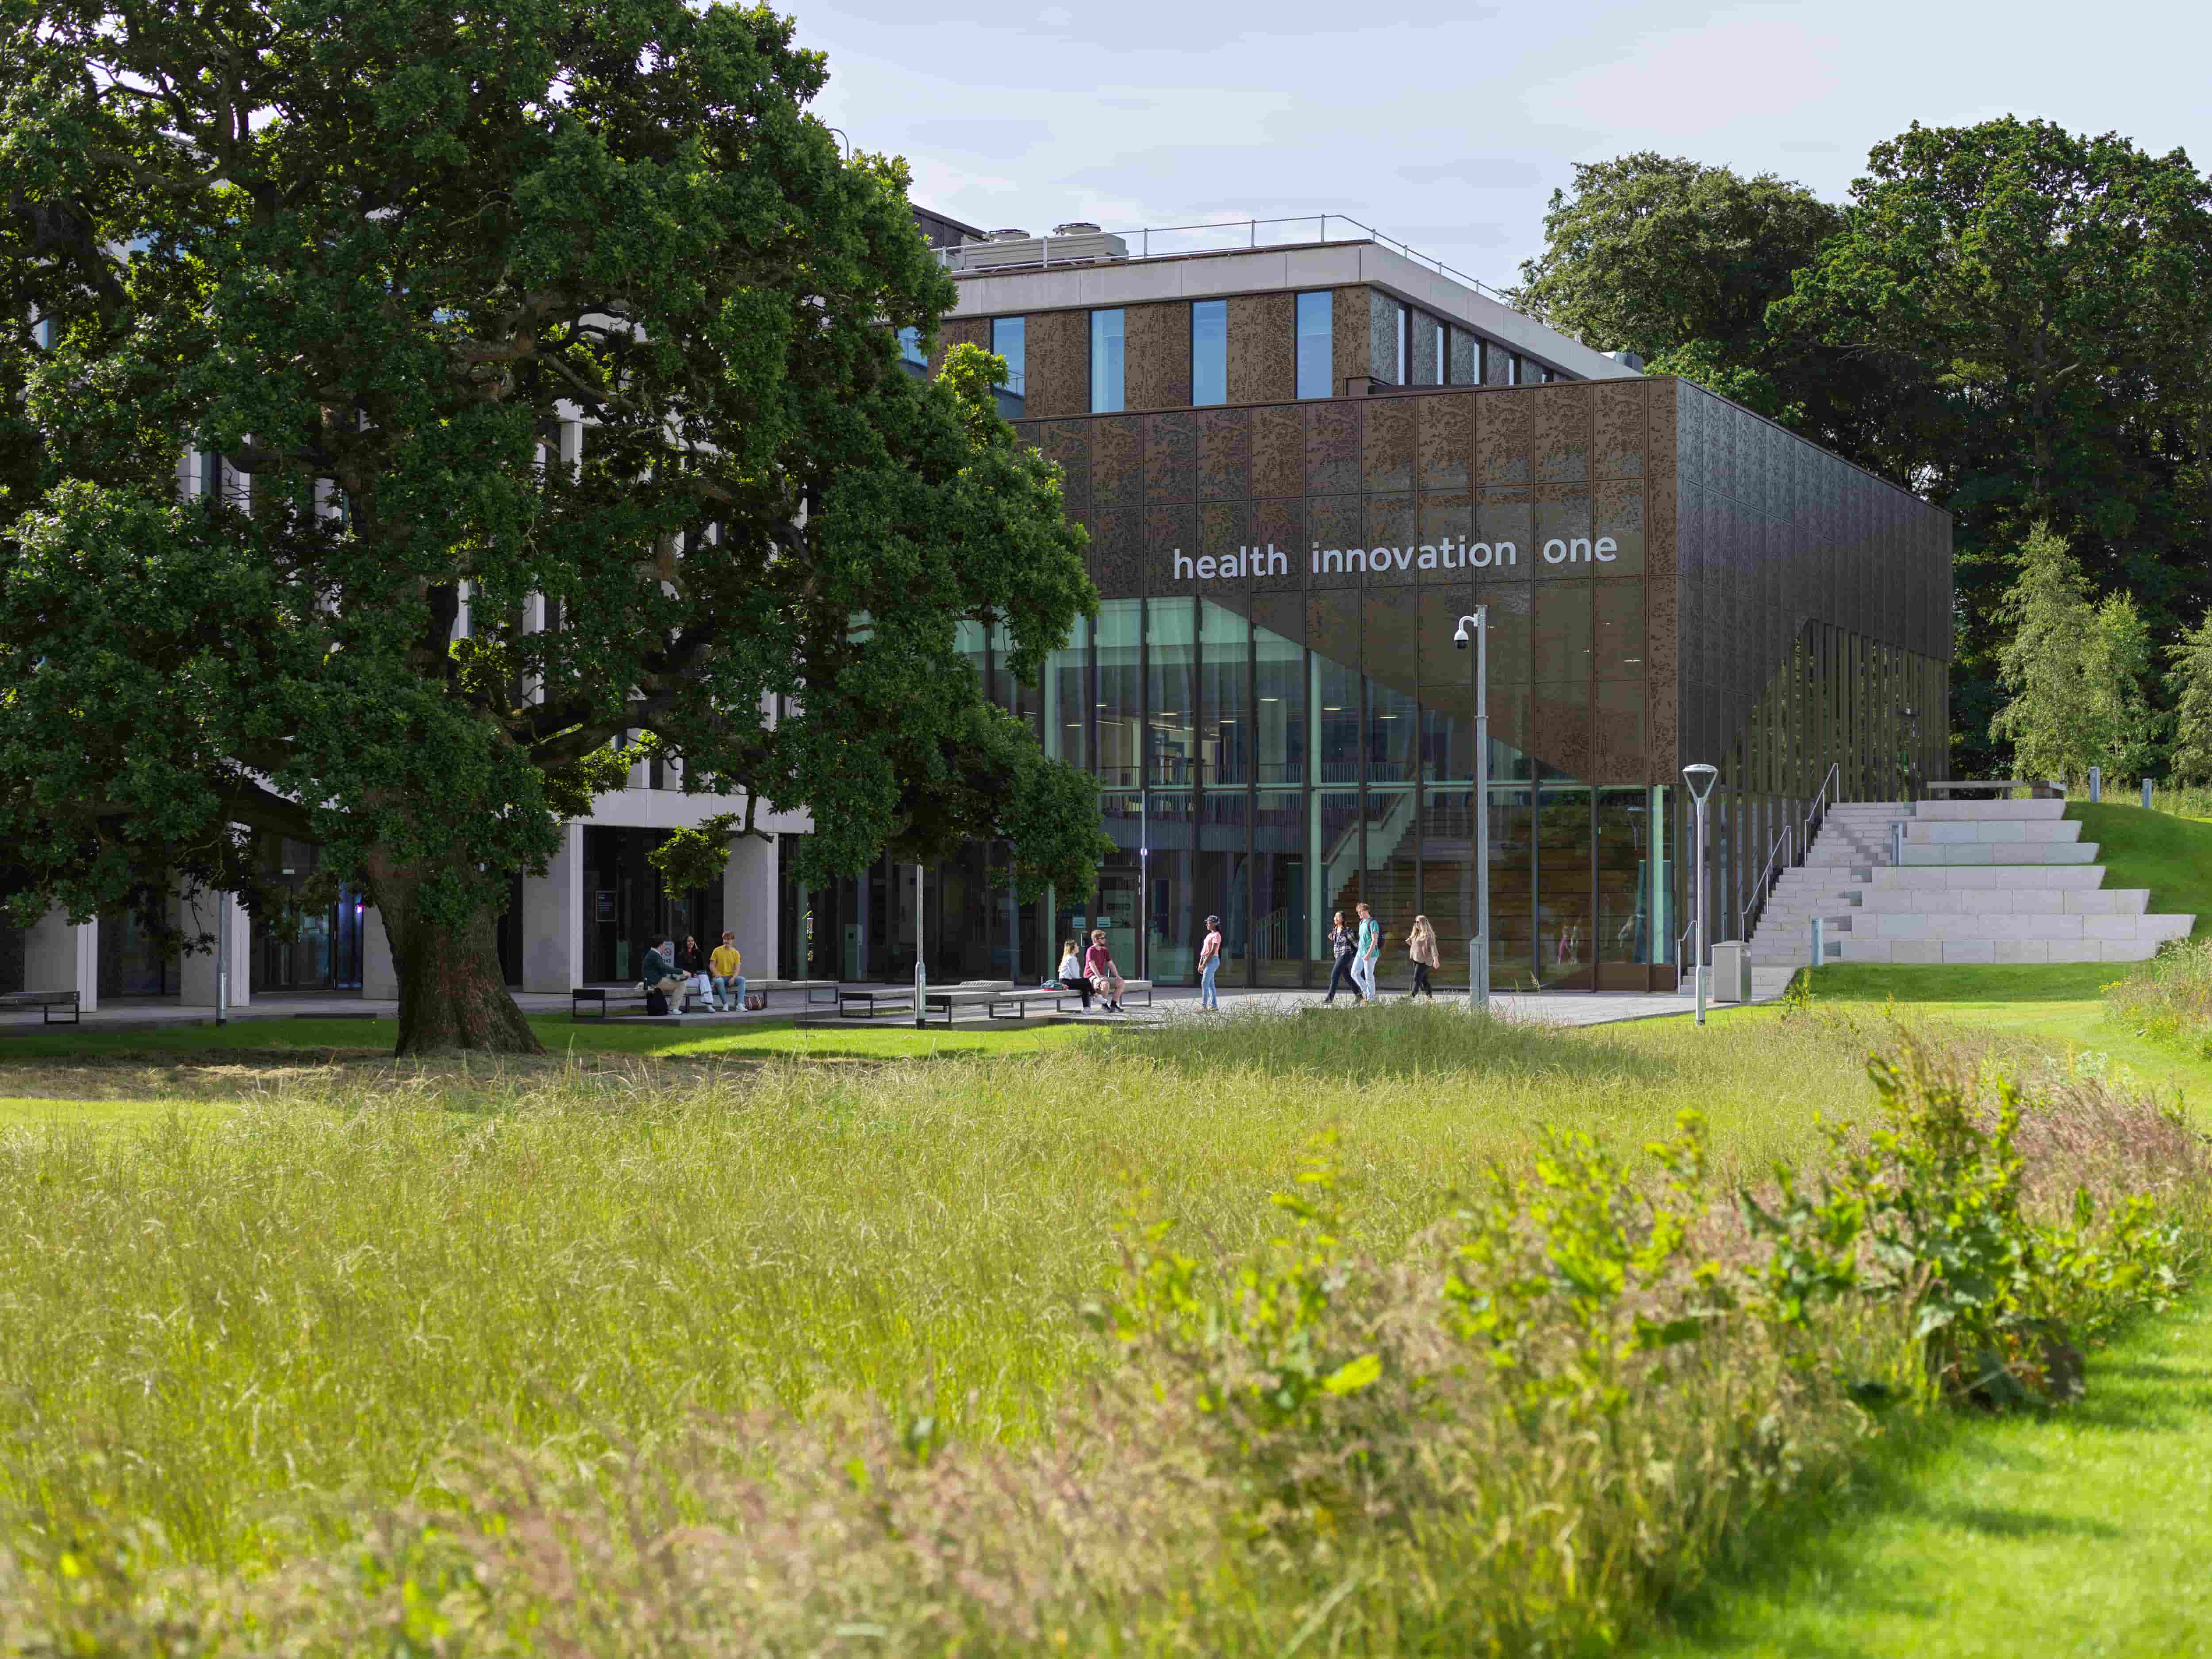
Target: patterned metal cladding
[1729,591]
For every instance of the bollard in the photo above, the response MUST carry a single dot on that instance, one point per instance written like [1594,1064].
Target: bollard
[2147,796]
[1897,842]
[2096,783]
[1820,941]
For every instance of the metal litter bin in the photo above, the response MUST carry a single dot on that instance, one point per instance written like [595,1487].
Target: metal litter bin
[1732,971]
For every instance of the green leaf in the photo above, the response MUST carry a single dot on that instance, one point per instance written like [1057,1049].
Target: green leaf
[1355,1375]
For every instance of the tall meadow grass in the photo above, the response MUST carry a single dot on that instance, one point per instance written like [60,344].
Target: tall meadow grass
[804,1360]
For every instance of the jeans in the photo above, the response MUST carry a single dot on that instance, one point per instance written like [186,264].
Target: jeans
[1206,997]
[1341,975]
[1363,975]
[1421,987]
[730,990]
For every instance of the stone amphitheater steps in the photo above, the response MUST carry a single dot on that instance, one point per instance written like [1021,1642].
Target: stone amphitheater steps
[1978,881]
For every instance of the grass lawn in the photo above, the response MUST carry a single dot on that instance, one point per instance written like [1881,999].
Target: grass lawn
[18,1111]
[760,1039]
[2081,1531]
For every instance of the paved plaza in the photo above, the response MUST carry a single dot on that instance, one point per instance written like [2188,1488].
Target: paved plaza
[1560,1007]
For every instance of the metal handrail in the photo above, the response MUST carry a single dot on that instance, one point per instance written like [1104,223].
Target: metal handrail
[1761,887]
[1250,230]
[1819,810]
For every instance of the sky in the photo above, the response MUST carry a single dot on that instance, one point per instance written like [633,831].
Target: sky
[1448,126]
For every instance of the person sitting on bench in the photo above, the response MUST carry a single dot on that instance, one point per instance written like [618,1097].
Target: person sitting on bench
[727,972]
[661,980]
[1098,963]
[1071,976]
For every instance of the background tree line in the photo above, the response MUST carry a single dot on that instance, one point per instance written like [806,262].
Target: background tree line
[2010,320]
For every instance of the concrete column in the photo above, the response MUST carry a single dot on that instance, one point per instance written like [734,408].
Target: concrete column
[59,957]
[749,896]
[379,980]
[553,920]
[196,971]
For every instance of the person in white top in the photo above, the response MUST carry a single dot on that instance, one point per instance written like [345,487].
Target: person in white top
[1071,976]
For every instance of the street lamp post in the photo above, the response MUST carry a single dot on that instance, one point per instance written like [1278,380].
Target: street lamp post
[1699,777]
[921,972]
[1477,626]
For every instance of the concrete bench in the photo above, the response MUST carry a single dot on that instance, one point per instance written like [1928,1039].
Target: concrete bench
[45,1002]
[1021,1001]
[814,990]
[602,995]
[2038,790]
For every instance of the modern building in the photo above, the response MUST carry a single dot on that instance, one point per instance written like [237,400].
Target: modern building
[1302,454]
[1299,464]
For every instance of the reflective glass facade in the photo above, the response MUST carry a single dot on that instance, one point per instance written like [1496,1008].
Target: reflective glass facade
[1281,727]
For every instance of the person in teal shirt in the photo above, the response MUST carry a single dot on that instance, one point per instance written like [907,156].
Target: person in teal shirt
[1370,952]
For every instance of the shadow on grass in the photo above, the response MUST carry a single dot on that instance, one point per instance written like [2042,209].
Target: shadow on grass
[1815,1543]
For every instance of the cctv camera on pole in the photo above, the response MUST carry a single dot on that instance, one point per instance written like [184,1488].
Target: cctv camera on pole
[1477,628]
[1699,777]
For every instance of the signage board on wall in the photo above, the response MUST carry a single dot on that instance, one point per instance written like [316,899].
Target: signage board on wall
[1269,560]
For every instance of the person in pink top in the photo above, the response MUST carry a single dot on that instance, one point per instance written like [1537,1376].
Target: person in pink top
[1098,963]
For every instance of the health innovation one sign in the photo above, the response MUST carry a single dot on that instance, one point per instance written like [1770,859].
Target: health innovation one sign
[1272,561]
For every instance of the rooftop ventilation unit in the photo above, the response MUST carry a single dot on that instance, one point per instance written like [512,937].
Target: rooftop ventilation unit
[1068,245]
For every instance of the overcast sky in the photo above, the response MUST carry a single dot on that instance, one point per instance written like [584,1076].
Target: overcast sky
[1449,125]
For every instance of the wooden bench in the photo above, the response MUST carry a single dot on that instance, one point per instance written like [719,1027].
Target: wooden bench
[45,1002]
[814,990]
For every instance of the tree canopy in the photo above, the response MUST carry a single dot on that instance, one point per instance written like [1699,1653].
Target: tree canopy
[2041,298]
[560,311]
[1678,261]
[2006,318]
[2073,669]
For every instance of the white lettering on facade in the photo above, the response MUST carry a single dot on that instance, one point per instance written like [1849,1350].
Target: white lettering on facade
[1607,549]
[1270,561]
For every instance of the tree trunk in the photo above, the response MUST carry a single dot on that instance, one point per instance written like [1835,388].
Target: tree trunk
[452,993]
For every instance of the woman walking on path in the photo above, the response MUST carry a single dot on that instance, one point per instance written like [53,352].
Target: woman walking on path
[1344,943]
[1370,953]
[1209,963]
[1098,963]
[1421,946]
[1071,974]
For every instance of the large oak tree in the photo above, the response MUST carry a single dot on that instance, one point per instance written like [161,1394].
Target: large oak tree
[386,259]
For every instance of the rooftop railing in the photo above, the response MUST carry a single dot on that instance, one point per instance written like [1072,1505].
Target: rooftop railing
[1232,235]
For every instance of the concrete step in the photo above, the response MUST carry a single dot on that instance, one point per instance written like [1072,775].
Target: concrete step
[2007,900]
[1954,853]
[2151,930]
[1991,810]
[1992,950]
[1996,830]
[2067,877]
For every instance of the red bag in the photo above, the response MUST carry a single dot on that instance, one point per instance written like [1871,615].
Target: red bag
[756,1000]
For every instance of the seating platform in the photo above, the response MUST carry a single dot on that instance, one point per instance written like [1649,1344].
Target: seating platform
[814,991]
[45,1002]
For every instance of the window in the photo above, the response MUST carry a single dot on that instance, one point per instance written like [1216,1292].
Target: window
[1316,344]
[1009,337]
[910,351]
[1209,352]
[1404,361]
[1106,341]
[45,332]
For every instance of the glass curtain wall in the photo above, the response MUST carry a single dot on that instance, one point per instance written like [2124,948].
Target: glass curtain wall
[1279,758]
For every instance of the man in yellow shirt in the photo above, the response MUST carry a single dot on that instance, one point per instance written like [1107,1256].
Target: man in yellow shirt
[723,968]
